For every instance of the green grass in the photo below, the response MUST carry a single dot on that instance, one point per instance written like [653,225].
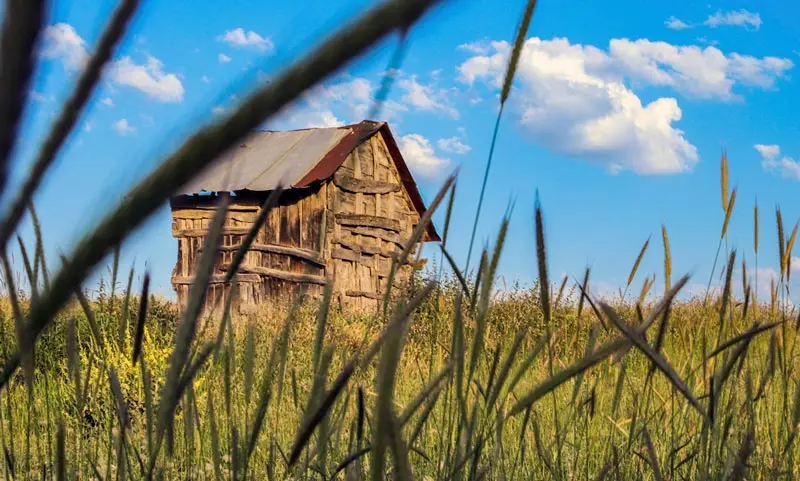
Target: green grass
[448,381]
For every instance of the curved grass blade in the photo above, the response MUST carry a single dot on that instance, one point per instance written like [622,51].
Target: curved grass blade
[636,265]
[638,340]
[142,318]
[69,113]
[21,30]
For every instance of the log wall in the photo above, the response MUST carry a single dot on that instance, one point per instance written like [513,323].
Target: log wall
[370,218]
[288,250]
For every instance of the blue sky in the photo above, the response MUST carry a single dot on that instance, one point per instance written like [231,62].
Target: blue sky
[617,117]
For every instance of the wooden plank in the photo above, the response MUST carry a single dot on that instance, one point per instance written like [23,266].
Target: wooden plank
[303,254]
[364,186]
[216,279]
[367,249]
[357,220]
[345,254]
[213,208]
[209,214]
[177,233]
[368,295]
[282,275]
[380,234]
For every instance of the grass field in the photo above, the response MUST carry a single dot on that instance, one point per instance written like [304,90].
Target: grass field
[448,381]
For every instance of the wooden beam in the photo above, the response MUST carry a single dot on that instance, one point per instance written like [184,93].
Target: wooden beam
[367,249]
[178,233]
[368,295]
[282,275]
[345,254]
[361,220]
[216,279]
[305,254]
[380,234]
[364,186]
[194,214]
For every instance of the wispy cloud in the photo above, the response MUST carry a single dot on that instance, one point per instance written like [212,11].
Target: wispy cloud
[107,101]
[453,145]
[675,23]
[223,58]
[122,127]
[239,38]
[772,161]
[736,18]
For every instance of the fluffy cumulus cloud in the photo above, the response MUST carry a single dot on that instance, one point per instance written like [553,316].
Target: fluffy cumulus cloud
[62,42]
[223,58]
[736,18]
[578,100]
[773,161]
[107,101]
[123,127]
[706,73]
[239,38]
[426,97]
[149,78]
[573,101]
[675,23]
[421,156]
[453,145]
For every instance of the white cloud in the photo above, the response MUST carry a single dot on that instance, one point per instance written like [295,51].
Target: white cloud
[239,38]
[675,23]
[573,101]
[453,145]
[205,79]
[63,42]
[420,156]
[149,78]
[223,58]
[87,127]
[580,100]
[123,127]
[772,161]
[737,18]
[698,72]
[481,47]
[219,110]
[426,97]
[108,102]
[795,263]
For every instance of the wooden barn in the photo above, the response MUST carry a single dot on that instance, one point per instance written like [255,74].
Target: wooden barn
[349,204]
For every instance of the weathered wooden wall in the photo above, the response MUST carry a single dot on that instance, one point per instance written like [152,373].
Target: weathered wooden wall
[370,218]
[289,248]
[347,228]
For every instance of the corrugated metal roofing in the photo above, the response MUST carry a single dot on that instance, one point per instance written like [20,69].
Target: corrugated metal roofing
[268,158]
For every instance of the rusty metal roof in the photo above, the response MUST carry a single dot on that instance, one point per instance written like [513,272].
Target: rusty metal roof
[266,159]
[296,159]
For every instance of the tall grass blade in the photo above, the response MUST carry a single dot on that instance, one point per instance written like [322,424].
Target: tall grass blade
[138,338]
[21,29]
